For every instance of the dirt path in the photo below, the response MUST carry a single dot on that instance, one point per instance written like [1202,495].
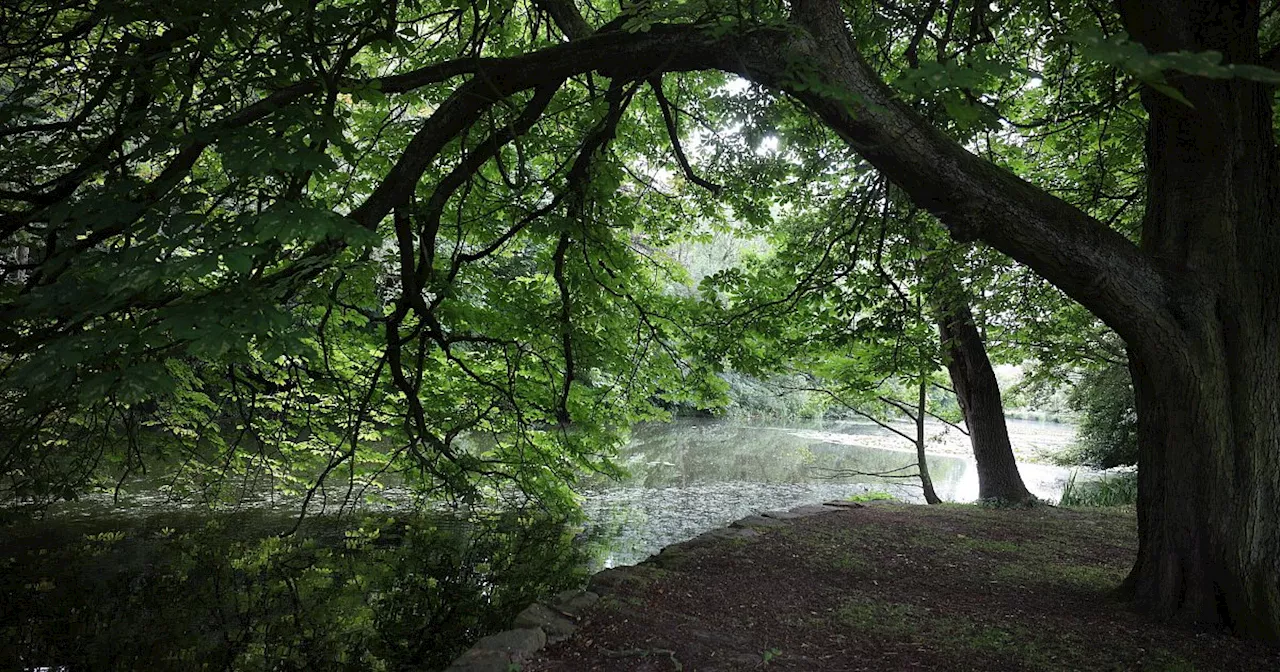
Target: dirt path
[893,587]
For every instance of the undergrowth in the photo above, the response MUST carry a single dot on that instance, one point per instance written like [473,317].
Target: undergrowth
[1119,489]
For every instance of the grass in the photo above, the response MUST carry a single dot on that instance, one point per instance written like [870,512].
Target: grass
[851,562]
[953,588]
[884,619]
[872,496]
[887,620]
[1111,490]
[1075,576]
[993,546]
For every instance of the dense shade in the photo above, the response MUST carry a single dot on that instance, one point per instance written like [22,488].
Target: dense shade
[191,592]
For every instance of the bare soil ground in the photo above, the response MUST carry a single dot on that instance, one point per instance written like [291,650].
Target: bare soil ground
[895,587]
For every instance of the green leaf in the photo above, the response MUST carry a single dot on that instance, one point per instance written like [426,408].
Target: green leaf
[239,260]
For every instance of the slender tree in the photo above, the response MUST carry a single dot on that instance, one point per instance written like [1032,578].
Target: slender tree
[978,392]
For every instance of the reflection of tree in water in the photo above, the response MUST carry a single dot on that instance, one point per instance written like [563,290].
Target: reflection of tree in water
[688,477]
[685,453]
[222,594]
[854,463]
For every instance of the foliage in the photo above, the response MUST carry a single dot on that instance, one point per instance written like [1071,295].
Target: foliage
[1117,49]
[780,396]
[277,243]
[240,243]
[254,244]
[203,271]
[230,595]
[1098,394]
[1107,429]
[1118,489]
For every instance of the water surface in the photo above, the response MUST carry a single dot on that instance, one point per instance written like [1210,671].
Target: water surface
[145,584]
[691,476]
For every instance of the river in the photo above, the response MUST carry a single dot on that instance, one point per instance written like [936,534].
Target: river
[150,585]
[691,476]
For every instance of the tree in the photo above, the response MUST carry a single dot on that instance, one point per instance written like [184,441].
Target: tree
[854,328]
[1108,427]
[210,272]
[878,400]
[882,275]
[978,392]
[1197,302]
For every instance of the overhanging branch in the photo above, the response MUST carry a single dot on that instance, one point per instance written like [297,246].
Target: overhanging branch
[668,116]
[974,198]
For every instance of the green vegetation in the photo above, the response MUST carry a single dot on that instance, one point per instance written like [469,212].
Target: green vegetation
[1119,489]
[888,620]
[872,496]
[883,619]
[273,247]
[775,397]
[1107,432]
[173,590]
[1096,391]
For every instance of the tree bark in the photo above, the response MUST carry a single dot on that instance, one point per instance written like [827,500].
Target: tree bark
[1208,393]
[978,392]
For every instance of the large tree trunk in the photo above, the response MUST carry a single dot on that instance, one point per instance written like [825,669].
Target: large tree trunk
[1207,488]
[1208,393]
[979,395]
[1209,476]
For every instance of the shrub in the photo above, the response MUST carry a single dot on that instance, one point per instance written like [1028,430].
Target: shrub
[1118,489]
[1107,433]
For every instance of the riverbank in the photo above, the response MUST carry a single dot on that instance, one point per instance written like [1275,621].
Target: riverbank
[891,587]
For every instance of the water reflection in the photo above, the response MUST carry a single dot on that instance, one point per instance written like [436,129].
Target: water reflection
[690,476]
[111,589]
[185,592]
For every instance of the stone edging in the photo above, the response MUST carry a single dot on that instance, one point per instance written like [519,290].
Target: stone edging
[539,624]
[543,623]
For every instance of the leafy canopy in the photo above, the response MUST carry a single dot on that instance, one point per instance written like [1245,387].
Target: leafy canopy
[345,243]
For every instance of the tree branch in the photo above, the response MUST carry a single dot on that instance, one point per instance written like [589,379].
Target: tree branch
[905,409]
[566,326]
[945,421]
[618,55]
[668,116]
[974,198]
[566,17]
[840,400]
